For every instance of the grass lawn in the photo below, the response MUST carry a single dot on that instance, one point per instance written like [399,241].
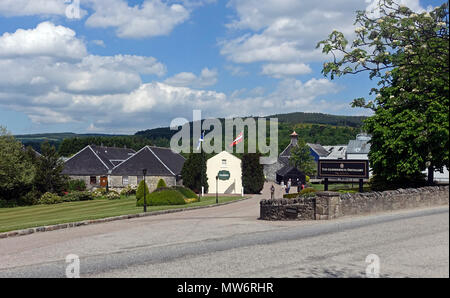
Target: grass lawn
[41,215]
[341,186]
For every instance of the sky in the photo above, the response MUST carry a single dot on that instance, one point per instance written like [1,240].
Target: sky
[117,66]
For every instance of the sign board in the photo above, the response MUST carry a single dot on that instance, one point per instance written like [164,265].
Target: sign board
[339,168]
[291,212]
[224,175]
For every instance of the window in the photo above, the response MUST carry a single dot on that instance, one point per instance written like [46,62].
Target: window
[224,162]
[93,180]
[125,180]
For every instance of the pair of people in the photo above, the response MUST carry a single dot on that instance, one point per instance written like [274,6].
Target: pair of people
[286,187]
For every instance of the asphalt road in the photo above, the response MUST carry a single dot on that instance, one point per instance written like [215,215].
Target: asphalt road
[229,241]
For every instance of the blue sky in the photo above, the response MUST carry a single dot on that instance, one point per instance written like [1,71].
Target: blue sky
[120,66]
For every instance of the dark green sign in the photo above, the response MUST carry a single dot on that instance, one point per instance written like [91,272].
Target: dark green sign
[224,175]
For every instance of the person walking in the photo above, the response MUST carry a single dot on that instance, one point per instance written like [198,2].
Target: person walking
[288,188]
[283,187]
[272,192]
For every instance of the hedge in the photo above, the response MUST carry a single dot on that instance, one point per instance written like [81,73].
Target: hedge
[163,198]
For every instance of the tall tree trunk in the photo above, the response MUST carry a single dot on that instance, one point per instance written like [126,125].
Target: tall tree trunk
[430,175]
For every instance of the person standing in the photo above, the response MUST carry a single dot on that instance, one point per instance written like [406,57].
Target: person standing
[283,187]
[272,192]
[288,188]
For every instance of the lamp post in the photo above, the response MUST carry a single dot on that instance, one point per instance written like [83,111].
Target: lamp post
[217,189]
[144,171]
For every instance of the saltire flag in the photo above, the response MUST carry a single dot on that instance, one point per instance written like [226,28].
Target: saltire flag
[239,139]
[202,137]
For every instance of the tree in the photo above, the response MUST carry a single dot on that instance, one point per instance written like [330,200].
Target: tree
[252,173]
[194,172]
[16,171]
[408,54]
[142,188]
[49,169]
[302,159]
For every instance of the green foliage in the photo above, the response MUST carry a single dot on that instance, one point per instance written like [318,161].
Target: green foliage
[307,191]
[186,192]
[301,158]
[307,178]
[99,193]
[128,191]
[76,185]
[194,172]
[17,171]
[252,173]
[50,198]
[113,195]
[161,183]
[76,196]
[49,167]
[408,53]
[164,197]
[141,190]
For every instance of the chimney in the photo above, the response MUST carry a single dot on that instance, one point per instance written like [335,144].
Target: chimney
[294,138]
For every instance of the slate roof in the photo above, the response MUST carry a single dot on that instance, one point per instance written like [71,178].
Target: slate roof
[320,151]
[85,163]
[158,162]
[95,160]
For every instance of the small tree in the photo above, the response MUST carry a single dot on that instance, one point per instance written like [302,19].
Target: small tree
[49,168]
[301,158]
[142,188]
[16,170]
[161,183]
[194,172]
[252,173]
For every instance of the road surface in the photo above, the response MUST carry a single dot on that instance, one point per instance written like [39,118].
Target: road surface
[229,241]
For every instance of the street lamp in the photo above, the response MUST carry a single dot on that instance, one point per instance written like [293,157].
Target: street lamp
[217,189]
[144,171]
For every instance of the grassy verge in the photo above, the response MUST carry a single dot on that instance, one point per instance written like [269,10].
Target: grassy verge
[42,215]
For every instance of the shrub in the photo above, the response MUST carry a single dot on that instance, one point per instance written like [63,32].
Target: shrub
[186,192]
[163,198]
[30,198]
[291,195]
[307,191]
[128,191]
[188,201]
[142,188]
[307,178]
[76,196]
[76,185]
[112,195]
[98,193]
[161,183]
[50,198]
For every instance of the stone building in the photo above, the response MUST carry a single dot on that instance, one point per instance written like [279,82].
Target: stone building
[92,164]
[228,168]
[100,166]
[160,163]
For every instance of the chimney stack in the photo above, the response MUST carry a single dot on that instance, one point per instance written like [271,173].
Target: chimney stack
[294,138]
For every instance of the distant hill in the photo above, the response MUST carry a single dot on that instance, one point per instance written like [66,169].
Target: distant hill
[312,127]
[319,118]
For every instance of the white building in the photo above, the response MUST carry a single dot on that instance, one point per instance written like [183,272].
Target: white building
[359,148]
[228,168]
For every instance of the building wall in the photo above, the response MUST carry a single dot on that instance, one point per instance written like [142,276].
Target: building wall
[233,165]
[152,181]
[357,156]
[87,180]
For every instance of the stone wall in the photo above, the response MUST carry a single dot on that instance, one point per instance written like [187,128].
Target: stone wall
[330,205]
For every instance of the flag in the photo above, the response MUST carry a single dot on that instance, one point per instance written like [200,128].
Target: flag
[239,139]
[200,140]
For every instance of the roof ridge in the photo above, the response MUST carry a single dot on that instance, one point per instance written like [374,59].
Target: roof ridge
[161,161]
[99,157]
[136,153]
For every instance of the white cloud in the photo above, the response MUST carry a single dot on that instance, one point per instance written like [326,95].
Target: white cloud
[46,39]
[285,69]
[32,7]
[287,31]
[206,78]
[152,18]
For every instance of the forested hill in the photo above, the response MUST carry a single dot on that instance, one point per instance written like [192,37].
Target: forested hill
[312,127]
[319,118]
